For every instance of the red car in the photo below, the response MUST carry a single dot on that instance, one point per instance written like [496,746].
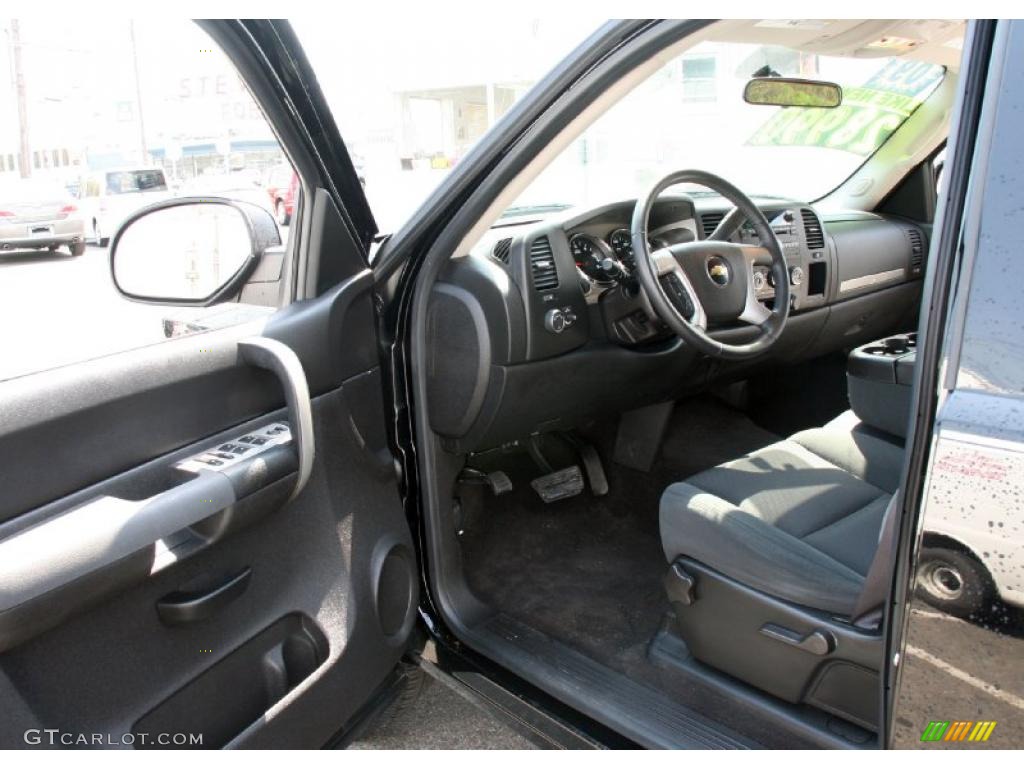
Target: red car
[283,189]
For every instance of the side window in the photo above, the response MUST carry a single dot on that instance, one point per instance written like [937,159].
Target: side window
[699,83]
[104,118]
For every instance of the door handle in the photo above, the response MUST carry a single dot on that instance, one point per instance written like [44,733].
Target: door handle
[279,358]
[188,607]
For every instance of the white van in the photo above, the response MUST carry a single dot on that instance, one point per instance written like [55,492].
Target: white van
[109,197]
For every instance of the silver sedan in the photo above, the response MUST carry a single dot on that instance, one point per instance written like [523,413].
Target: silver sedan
[37,214]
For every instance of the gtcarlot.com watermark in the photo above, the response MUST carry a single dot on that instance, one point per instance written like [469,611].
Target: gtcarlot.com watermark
[54,737]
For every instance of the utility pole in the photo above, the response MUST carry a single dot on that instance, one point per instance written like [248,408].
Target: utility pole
[138,93]
[24,155]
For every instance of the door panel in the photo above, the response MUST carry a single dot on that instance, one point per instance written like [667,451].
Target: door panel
[132,614]
[286,658]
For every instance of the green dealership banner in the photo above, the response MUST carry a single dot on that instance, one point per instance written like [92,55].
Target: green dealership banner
[865,119]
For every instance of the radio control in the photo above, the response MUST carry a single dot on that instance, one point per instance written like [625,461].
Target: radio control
[759,281]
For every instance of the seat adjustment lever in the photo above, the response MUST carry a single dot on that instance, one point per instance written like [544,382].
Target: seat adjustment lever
[819,642]
[679,585]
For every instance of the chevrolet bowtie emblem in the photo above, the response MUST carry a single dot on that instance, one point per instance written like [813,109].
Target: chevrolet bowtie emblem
[718,270]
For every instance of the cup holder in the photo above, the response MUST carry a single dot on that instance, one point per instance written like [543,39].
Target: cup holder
[892,346]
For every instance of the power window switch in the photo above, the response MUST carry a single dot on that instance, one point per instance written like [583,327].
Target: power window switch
[210,460]
[259,440]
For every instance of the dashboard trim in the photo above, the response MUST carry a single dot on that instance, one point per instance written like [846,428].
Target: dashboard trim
[872,280]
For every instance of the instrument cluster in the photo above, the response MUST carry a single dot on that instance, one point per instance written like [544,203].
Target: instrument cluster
[603,261]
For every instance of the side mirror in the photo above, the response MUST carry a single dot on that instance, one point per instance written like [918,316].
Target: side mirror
[190,251]
[792,92]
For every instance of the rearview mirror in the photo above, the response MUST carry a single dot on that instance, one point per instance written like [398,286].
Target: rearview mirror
[792,92]
[190,251]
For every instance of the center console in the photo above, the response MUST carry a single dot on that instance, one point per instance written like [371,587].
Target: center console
[880,377]
[801,236]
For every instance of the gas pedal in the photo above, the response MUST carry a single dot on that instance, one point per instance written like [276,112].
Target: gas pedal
[591,463]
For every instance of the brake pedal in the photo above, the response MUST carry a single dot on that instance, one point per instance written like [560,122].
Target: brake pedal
[563,484]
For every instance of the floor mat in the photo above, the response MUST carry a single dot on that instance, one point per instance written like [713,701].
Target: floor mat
[587,570]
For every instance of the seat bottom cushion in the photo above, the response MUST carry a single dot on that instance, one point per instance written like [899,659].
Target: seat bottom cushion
[794,519]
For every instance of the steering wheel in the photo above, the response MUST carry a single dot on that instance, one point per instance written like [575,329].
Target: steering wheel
[691,284]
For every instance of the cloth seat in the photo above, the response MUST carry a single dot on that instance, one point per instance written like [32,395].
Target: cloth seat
[799,519]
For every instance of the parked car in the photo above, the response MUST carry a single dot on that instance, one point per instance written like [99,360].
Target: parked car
[282,190]
[108,197]
[36,213]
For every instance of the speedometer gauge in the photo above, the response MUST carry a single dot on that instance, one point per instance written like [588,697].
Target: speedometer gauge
[588,257]
[621,241]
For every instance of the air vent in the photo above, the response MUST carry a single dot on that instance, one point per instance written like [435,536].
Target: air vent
[709,221]
[812,230]
[916,249]
[501,249]
[542,265]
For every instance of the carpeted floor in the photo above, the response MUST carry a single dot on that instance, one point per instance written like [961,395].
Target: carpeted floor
[588,570]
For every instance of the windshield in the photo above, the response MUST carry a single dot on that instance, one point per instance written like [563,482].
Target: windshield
[409,119]
[432,91]
[691,114]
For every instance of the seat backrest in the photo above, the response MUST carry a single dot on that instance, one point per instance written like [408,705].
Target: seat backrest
[869,609]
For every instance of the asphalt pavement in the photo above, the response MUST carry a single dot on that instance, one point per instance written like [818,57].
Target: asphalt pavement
[440,719]
[57,309]
[962,670]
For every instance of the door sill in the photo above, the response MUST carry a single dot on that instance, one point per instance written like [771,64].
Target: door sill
[640,713]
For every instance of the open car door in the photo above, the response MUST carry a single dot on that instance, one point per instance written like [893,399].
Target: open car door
[202,541]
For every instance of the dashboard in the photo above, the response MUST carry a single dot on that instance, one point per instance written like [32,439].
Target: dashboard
[544,322]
